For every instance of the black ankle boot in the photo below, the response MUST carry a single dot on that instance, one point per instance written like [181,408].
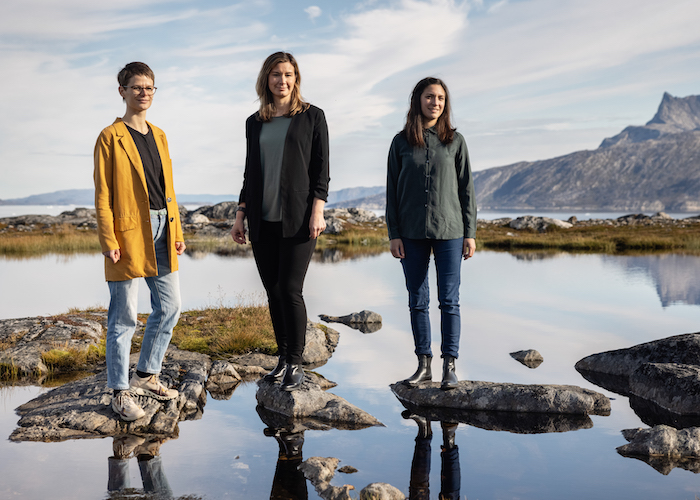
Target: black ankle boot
[448,435]
[423,373]
[278,371]
[449,377]
[293,377]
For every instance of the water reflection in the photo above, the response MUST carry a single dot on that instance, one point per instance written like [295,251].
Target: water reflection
[450,474]
[146,450]
[676,277]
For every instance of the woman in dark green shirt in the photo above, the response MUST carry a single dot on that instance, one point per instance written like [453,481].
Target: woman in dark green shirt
[431,206]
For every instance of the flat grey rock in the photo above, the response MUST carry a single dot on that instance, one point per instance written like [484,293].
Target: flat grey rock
[493,396]
[312,401]
[365,321]
[530,358]
[82,409]
[27,338]
[664,448]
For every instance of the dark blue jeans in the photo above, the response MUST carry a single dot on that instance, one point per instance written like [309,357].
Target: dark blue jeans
[448,263]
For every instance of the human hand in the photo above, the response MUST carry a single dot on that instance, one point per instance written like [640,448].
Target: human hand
[180,247]
[317,224]
[396,246]
[113,255]
[468,248]
[238,231]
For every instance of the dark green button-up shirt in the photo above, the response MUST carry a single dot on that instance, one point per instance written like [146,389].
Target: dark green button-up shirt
[430,191]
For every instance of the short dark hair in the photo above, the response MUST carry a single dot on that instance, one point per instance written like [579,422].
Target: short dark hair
[134,69]
[414,119]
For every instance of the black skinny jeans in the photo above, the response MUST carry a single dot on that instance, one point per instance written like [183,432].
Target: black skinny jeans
[282,264]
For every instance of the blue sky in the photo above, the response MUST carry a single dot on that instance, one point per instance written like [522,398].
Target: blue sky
[529,79]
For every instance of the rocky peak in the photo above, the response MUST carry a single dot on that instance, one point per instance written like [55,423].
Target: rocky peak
[683,113]
[675,114]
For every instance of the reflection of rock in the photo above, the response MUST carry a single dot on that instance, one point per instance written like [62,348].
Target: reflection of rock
[381,491]
[223,380]
[82,409]
[508,421]
[311,401]
[668,447]
[494,396]
[365,321]
[530,358]
[652,414]
[320,471]
[23,340]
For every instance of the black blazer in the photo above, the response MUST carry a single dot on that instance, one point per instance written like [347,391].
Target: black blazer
[304,176]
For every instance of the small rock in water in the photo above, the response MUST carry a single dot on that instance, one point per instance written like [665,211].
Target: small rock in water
[530,358]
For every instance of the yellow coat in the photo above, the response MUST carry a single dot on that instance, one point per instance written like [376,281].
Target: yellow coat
[122,205]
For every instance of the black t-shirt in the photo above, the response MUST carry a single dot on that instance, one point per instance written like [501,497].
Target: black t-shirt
[152,167]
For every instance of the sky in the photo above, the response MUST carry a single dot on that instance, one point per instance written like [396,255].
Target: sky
[528,79]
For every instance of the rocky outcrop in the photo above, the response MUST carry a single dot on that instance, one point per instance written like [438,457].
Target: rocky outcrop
[493,396]
[613,369]
[671,386]
[338,219]
[540,224]
[530,358]
[82,409]
[365,321]
[311,401]
[664,448]
[24,340]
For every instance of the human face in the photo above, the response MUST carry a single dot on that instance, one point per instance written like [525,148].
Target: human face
[432,104]
[281,81]
[137,103]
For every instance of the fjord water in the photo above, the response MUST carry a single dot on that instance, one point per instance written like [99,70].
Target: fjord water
[566,306]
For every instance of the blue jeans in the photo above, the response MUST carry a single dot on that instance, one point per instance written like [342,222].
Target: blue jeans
[448,263]
[121,318]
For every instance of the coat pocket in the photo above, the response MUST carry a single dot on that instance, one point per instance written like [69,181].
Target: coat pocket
[125,223]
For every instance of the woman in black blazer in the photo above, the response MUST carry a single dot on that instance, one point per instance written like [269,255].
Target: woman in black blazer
[285,187]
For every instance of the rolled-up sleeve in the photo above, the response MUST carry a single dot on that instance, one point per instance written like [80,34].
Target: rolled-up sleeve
[467,196]
[319,167]
[392,179]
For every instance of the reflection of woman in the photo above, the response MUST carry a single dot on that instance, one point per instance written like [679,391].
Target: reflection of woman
[431,207]
[285,187]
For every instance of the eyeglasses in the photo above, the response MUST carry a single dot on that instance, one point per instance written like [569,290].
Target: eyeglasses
[137,90]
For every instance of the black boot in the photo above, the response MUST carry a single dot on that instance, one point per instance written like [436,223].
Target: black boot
[449,377]
[278,371]
[293,377]
[424,429]
[448,435]
[423,373]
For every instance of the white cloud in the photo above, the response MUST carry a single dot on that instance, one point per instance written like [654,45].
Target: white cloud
[313,11]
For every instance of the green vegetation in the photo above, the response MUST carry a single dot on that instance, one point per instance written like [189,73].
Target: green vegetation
[600,239]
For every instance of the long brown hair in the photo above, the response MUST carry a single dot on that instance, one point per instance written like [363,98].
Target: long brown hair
[267,102]
[414,119]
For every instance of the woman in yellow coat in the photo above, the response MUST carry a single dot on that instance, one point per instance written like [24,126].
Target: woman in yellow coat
[141,236]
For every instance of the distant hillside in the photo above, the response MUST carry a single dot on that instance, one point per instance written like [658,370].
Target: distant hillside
[644,168]
[373,202]
[87,197]
[338,199]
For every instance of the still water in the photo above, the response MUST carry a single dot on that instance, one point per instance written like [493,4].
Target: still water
[565,306]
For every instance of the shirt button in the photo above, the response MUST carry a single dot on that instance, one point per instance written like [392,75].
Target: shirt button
[172,219]
[169,200]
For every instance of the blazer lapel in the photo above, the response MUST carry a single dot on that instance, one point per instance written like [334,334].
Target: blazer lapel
[129,146]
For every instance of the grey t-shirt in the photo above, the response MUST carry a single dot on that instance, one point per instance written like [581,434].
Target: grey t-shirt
[272,138]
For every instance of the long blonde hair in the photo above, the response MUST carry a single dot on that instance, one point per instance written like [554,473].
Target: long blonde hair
[267,102]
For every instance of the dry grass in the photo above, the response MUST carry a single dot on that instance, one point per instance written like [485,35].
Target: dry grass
[63,239]
[64,358]
[601,239]
[220,330]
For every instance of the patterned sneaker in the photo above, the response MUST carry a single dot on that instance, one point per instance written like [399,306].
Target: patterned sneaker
[151,386]
[125,406]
